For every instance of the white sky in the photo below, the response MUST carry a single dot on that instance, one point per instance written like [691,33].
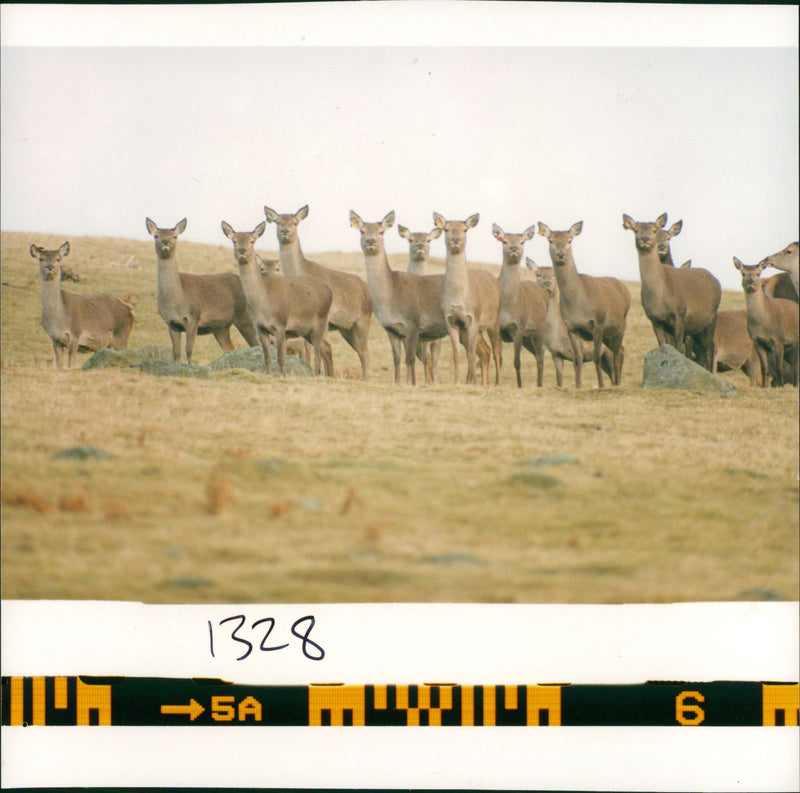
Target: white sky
[532,112]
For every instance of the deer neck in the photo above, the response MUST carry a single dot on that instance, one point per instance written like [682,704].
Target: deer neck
[53,310]
[291,257]
[570,286]
[418,266]
[379,278]
[252,285]
[169,279]
[757,309]
[509,279]
[651,269]
[456,277]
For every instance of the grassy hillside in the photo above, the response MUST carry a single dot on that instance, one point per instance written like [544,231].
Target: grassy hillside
[245,488]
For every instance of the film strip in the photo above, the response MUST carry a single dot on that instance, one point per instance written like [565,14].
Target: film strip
[154,701]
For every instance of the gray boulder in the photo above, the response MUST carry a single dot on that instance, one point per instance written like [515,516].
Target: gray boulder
[252,359]
[665,367]
[122,358]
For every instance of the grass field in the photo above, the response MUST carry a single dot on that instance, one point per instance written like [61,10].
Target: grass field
[244,488]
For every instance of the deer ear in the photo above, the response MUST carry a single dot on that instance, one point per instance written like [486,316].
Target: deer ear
[661,220]
[529,232]
[628,223]
[497,232]
[259,229]
[151,227]
[355,220]
[227,230]
[272,215]
[472,220]
[403,231]
[302,213]
[686,264]
[35,250]
[576,229]
[388,220]
[435,233]
[181,227]
[738,264]
[64,249]
[675,229]
[530,264]
[544,230]
[438,220]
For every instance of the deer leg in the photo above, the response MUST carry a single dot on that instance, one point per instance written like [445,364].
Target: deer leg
[497,352]
[191,334]
[597,352]
[777,356]
[411,357]
[577,358]
[454,334]
[518,357]
[58,355]
[763,364]
[248,331]
[280,346]
[223,337]
[395,343]
[558,363]
[175,338]
[263,338]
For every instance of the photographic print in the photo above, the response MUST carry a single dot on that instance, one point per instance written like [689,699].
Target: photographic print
[416,303]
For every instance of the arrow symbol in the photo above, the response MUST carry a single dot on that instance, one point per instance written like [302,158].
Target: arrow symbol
[193,709]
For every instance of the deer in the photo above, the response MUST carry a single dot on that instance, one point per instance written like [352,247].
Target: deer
[733,347]
[779,285]
[351,310]
[78,323]
[593,308]
[679,302]
[786,260]
[299,347]
[280,306]
[419,244]
[664,252]
[523,304]
[556,335]
[407,305]
[197,304]
[773,324]
[470,299]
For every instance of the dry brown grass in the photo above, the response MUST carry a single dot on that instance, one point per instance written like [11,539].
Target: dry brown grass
[244,488]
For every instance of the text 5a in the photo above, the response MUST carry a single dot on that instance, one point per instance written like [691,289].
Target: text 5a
[262,636]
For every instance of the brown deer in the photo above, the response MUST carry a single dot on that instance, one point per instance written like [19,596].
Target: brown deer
[786,260]
[280,306]
[678,301]
[523,304]
[556,335]
[78,323]
[470,299]
[351,310]
[593,308]
[664,237]
[779,285]
[419,244]
[733,347]
[773,325]
[408,306]
[300,348]
[197,304]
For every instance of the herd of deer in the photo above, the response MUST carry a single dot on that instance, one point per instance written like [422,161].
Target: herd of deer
[577,317]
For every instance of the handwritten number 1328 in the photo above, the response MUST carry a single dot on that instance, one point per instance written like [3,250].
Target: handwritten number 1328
[301,629]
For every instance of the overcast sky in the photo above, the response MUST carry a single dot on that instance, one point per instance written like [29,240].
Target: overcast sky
[702,123]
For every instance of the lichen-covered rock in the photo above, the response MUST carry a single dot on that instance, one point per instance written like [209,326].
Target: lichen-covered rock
[170,369]
[124,358]
[252,358]
[83,452]
[665,367]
